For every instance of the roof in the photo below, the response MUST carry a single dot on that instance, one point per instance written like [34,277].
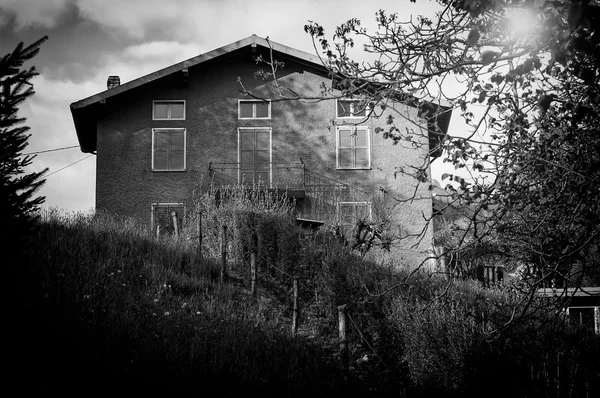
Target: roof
[569,292]
[307,223]
[248,41]
[87,111]
[573,297]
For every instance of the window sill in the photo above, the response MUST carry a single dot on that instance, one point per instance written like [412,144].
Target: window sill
[168,171]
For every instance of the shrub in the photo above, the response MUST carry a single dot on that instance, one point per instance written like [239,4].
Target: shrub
[451,346]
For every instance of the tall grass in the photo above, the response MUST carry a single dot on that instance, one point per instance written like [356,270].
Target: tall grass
[99,306]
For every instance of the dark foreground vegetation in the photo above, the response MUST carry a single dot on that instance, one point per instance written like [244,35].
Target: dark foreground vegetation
[96,306]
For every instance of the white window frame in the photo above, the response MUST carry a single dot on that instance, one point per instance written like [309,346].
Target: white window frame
[154,130]
[352,116]
[354,204]
[596,310]
[239,143]
[168,102]
[240,101]
[162,204]
[337,147]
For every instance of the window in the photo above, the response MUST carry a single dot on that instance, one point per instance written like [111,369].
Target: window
[168,110]
[254,109]
[254,155]
[163,222]
[350,212]
[586,318]
[351,108]
[353,147]
[168,149]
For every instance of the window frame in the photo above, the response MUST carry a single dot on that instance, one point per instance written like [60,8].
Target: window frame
[239,152]
[154,131]
[354,206]
[240,101]
[156,205]
[596,315]
[337,147]
[169,102]
[351,116]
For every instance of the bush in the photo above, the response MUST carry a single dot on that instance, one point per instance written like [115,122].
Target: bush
[451,347]
[257,219]
[242,210]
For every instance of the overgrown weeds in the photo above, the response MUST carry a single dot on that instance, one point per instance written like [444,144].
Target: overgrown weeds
[99,304]
[450,346]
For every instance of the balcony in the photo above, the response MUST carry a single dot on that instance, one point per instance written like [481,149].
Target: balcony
[317,195]
[286,178]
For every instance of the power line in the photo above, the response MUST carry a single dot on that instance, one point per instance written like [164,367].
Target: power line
[50,150]
[69,165]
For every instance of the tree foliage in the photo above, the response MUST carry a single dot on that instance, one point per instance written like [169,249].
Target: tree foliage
[528,168]
[17,188]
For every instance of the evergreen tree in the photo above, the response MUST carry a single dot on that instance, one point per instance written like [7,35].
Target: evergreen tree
[18,202]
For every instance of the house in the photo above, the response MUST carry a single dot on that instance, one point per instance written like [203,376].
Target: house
[581,305]
[162,135]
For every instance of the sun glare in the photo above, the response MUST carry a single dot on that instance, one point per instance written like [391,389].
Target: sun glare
[522,22]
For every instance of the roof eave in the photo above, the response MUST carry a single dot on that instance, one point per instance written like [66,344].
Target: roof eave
[85,121]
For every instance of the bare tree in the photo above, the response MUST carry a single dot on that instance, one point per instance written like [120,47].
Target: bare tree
[528,168]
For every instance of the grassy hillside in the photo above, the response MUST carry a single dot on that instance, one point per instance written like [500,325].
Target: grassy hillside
[99,306]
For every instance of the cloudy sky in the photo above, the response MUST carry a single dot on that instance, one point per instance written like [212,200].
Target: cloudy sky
[92,39]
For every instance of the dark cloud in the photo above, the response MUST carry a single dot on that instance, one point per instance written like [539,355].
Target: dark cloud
[75,49]
[24,14]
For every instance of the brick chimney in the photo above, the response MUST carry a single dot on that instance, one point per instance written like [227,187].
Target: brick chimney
[112,82]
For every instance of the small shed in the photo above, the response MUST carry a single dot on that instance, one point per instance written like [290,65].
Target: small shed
[582,305]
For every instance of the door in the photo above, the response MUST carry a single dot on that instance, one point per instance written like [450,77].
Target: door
[255,156]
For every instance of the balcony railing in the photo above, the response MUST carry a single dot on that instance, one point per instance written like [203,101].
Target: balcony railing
[282,176]
[323,194]
[320,194]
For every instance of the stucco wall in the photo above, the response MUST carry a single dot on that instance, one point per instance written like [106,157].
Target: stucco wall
[127,185]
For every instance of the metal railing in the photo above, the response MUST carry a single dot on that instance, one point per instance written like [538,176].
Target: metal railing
[321,193]
[284,176]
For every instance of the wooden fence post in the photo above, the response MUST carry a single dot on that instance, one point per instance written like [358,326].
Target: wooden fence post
[344,357]
[223,254]
[253,273]
[296,313]
[175,226]
[558,373]
[199,235]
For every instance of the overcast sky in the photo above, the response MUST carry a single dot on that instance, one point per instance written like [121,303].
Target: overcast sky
[92,39]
